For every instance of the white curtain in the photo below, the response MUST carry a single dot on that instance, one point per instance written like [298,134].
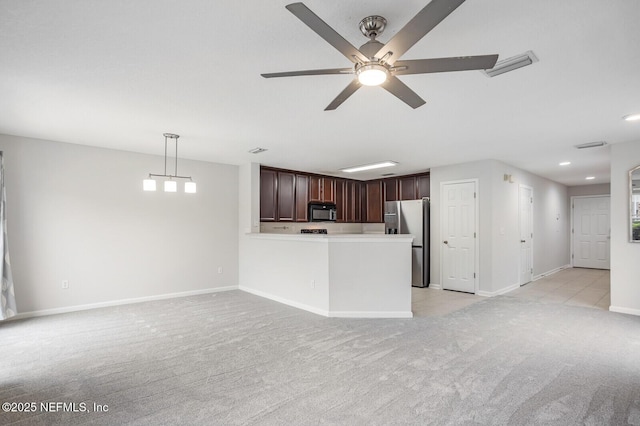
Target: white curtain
[7,295]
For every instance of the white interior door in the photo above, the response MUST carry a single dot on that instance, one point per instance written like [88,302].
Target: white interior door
[459,236]
[591,232]
[526,234]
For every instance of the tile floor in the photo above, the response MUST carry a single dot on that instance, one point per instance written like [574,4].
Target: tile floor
[573,286]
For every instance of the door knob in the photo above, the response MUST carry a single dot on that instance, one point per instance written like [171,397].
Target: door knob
[522,241]
[446,242]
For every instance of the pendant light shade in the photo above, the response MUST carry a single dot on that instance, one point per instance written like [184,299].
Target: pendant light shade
[149,185]
[190,187]
[170,185]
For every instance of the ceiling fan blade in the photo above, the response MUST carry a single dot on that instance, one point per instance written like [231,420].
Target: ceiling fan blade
[344,95]
[309,72]
[462,63]
[426,20]
[326,32]
[402,92]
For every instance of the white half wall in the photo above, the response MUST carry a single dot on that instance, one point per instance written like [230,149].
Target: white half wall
[78,213]
[625,268]
[498,233]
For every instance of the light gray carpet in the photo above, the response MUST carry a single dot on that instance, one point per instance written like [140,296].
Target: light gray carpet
[234,358]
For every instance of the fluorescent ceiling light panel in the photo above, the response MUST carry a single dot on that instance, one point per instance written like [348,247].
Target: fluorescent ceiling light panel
[590,177]
[565,163]
[511,64]
[369,167]
[632,117]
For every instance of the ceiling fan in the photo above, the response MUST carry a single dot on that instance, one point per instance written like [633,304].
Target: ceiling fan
[377,64]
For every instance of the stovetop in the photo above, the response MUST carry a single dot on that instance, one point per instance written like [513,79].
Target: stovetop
[313,231]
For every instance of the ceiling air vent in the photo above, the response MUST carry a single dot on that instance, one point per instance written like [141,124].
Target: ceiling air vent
[511,64]
[591,145]
[257,150]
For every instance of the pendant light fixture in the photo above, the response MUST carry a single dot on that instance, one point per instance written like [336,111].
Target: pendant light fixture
[170,184]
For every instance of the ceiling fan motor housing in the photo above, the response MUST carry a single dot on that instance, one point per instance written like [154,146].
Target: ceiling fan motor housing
[372,26]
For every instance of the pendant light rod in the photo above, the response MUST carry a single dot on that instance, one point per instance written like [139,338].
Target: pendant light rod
[150,184]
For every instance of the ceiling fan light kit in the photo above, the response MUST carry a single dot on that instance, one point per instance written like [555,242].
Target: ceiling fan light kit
[378,64]
[372,74]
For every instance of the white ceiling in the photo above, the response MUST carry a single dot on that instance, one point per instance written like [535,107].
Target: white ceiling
[119,73]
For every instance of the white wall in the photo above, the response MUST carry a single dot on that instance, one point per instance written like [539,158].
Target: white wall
[585,190]
[498,233]
[78,213]
[625,268]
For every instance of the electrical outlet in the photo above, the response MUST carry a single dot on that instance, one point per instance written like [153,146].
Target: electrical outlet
[219,269]
[65,284]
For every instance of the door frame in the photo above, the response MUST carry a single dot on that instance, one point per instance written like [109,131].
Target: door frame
[571,224]
[520,233]
[476,182]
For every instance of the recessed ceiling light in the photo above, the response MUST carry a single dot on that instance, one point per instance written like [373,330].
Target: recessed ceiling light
[565,163]
[590,177]
[632,117]
[369,167]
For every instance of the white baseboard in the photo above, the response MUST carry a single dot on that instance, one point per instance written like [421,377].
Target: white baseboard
[363,314]
[326,313]
[76,308]
[279,299]
[553,271]
[435,286]
[498,292]
[622,310]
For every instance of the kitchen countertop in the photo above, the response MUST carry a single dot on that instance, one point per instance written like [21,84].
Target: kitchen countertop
[334,237]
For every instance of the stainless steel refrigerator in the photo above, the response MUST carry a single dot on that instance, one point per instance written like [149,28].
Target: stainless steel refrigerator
[411,217]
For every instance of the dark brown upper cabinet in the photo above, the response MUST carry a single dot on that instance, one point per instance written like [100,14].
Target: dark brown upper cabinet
[286,186]
[424,186]
[390,187]
[374,201]
[322,189]
[285,195]
[408,188]
[341,200]
[268,191]
[302,198]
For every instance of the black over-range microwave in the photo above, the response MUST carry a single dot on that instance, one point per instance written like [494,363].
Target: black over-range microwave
[322,212]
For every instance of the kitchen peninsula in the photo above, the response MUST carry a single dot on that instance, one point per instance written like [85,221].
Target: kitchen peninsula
[335,275]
